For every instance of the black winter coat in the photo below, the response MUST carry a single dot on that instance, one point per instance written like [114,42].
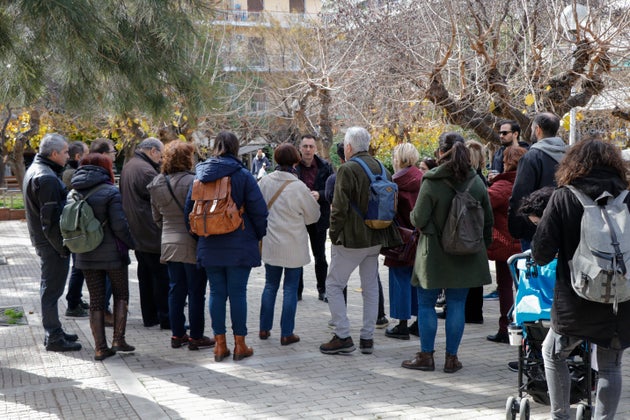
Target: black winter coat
[112,253]
[559,230]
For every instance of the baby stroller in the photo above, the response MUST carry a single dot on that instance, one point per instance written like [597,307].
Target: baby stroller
[531,312]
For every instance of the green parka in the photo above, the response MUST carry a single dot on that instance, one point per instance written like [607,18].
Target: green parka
[433,268]
[347,227]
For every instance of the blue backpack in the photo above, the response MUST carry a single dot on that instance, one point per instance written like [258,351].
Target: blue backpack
[383,198]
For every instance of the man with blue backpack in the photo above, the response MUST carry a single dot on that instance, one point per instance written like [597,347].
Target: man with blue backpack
[363,209]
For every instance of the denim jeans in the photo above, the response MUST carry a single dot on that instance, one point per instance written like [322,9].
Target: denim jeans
[53,280]
[455,318]
[75,284]
[556,348]
[186,280]
[403,301]
[228,283]
[273,275]
[153,285]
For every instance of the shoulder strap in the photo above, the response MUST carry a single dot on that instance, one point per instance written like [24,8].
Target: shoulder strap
[584,199]
[170,189]
[282,187]
[367,170]
[92,191]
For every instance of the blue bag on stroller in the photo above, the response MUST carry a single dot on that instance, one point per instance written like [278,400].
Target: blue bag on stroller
[534,294]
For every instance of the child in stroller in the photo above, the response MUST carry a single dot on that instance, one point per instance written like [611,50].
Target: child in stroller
[535,285]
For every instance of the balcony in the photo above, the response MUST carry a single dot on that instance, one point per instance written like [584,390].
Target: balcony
[245,18]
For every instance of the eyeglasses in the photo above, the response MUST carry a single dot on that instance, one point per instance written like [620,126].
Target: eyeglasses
[308,146]
[505,133]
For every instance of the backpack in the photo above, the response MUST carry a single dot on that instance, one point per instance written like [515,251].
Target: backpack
[463,231]
[80,229]
[598,267]
[383,199]
[214,212]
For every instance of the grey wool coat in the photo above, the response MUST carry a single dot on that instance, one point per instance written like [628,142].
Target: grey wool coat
[177,244]
[433,268]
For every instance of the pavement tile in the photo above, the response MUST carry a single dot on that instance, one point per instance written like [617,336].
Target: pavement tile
[278,382]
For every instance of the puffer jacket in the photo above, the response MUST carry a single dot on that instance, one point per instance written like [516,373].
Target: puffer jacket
[112,253]
[44,198]
[347,227]
[559,231]
[434,268]
[240,247]
[177,244]
[135,176]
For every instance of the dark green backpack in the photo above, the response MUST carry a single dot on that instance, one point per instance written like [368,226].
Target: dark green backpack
[80,229]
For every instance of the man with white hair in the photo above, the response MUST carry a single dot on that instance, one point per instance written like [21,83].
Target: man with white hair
[153,280]
[44,199]
[354,244]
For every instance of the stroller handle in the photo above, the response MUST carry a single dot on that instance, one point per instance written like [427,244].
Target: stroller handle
[524,254]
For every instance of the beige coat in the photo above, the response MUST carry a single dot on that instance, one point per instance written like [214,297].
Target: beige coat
[177,244]
[286,242]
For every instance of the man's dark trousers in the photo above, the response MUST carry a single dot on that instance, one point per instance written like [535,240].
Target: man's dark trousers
[317,238]
[53,281]
[153,283]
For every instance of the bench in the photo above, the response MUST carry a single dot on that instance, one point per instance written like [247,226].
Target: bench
[10,189]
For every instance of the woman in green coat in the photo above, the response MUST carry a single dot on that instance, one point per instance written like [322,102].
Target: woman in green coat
[435,269]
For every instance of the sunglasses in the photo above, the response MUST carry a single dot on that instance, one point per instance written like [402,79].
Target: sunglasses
[505,133]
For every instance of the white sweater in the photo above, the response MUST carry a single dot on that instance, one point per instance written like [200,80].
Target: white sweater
[286,242]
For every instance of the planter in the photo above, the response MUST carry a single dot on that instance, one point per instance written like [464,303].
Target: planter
[12,214]
[5,213]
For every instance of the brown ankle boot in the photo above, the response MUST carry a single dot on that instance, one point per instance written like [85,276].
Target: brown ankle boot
[422,361]
[97,325]
[451,364]
[220,348]
[120,325]
[241,350]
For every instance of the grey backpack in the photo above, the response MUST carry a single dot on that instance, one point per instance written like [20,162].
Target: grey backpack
[463,230]
[598,267]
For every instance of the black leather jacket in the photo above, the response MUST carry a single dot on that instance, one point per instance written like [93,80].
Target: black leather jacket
[44,198]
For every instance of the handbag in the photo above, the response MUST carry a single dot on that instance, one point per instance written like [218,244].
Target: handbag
[405,253]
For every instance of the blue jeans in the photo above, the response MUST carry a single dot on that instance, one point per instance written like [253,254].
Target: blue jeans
[455,318]
[228,282]
[556,348]
[403,301]
[273,275]
[53,280]
[186,280]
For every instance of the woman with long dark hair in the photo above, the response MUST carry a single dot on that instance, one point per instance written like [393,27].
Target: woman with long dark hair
[592,167]
[435,269]
[228,258]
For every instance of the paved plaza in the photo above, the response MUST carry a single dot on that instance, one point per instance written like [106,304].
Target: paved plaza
[281,382]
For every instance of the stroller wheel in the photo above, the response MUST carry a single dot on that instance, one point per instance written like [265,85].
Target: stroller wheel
[583,412]
[510,408]
[523,411]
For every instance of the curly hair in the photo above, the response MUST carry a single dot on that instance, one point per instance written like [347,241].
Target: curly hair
[177,157]
[535,203]
[587,154]
[98,159]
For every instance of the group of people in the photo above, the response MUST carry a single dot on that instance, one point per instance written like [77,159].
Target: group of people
[293,207]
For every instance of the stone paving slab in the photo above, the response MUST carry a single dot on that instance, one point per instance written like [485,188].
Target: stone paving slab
[278,382]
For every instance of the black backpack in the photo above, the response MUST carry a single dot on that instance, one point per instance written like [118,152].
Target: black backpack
[463,230]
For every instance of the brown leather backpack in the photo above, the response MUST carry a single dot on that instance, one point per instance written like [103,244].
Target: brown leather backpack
[214,212]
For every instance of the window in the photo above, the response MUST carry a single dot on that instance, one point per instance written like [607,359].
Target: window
[296,6]
[255,5]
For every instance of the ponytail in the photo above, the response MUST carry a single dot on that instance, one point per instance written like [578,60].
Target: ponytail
[455,155]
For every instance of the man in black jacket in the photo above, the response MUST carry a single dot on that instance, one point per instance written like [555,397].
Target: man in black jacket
[153,280]
[314,171]
[536,169]
[44,199]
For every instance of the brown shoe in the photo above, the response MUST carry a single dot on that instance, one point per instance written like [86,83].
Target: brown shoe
[220,350]
[263,335]
[451,364]
[422,361]
[177,342]
[241,350]
[203,342]
[285,341]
